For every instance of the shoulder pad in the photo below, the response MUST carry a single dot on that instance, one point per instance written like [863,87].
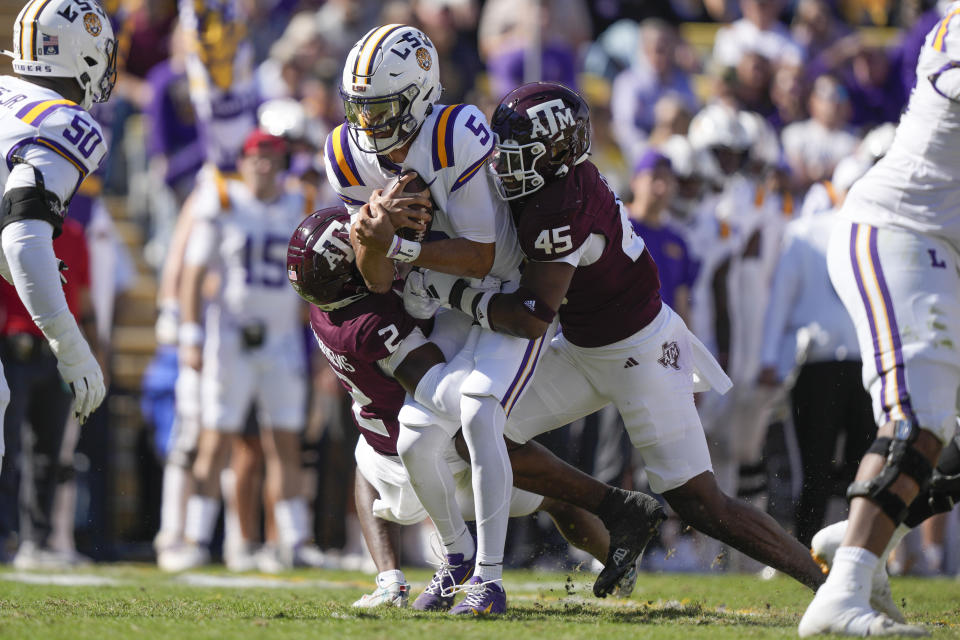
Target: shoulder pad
[68,130]
[341,165]
[460,139]
[384,321]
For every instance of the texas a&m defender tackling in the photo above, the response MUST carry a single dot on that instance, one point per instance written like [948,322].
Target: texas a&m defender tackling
[65,54]
[390,88]
[381,353]
[618,343]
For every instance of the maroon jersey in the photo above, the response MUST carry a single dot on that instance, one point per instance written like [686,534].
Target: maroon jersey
[612,295]
[353,339]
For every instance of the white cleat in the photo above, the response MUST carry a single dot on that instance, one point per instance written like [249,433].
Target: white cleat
[842,613]
[241,557]
[824,546]
[183,558]
[387,594]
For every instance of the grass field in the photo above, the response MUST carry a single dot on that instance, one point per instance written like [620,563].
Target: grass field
[137,602]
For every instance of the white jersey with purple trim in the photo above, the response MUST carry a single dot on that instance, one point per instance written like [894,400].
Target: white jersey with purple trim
[246,240]
[220,71]
[54,135]
[449,152]
[916,186]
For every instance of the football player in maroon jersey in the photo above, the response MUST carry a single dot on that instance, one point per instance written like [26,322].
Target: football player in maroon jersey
[380,353]
[618,343]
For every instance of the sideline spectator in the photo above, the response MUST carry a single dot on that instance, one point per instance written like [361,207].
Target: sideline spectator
[759,31]
[653,76]
[815,146]
[654,186]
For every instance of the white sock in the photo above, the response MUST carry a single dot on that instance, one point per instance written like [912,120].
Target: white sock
[393,576]
[232,532]
[488,572]
[202,515]
[852,571]
[422,451]
[173,500]
[292,521]
[463,543]
[483,422]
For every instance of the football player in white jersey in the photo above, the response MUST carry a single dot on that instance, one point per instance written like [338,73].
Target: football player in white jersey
[390,88]
[225,97]
[893,259]
[250,349]
[64,53]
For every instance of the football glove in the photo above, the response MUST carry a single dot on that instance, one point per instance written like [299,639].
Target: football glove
[416,300]
[76,363]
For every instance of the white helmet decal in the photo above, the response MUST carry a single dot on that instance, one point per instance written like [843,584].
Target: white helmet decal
[556,114]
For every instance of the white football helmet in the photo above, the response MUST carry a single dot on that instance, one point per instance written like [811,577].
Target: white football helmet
[390,82]
[764,144]
[718,126]
[67,39]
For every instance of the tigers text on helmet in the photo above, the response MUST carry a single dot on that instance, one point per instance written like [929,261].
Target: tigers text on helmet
[321,264]
[542,130]
[390,82]
[67,39]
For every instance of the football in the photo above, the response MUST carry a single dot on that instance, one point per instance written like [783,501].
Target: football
[414,186]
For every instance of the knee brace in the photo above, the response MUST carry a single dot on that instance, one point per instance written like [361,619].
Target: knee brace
[944,490]
[900,458]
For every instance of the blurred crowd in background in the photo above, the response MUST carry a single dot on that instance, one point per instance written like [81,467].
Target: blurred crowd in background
[731,128]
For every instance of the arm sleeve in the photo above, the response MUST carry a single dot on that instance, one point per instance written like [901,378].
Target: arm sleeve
[28,249]
[783,293]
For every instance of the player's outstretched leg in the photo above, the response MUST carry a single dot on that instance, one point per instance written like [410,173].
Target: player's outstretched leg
[700,503]
[632,518]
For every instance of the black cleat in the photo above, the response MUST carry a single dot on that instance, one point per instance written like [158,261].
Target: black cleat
[632,518]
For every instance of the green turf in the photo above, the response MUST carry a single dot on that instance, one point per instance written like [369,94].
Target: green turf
[139,603]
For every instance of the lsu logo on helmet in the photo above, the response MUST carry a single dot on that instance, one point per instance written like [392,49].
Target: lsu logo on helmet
[91,22]
[423,59]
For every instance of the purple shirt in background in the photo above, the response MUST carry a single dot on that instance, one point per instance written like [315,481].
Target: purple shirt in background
[910,46]
[173,129]
[872,106]
[558,64]
[669,251]
[636,91]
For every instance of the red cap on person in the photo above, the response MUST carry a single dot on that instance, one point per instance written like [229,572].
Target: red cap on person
[260,139]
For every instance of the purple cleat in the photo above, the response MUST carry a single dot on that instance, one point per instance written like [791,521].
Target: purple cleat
[483,599]
[438,596]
